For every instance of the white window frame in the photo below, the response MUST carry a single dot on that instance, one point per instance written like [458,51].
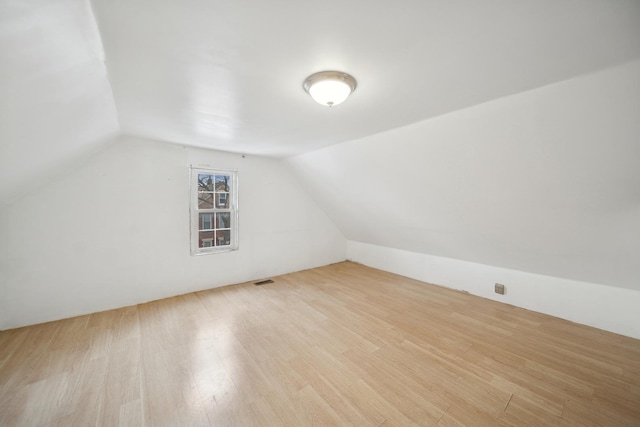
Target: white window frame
[195,211]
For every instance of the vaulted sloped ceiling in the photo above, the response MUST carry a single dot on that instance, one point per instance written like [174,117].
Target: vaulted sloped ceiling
[56,103]
[545,181]
[228,74]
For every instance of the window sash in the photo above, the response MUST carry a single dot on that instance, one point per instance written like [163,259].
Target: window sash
[214,210]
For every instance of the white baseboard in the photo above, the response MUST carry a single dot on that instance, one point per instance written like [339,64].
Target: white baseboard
[605,307]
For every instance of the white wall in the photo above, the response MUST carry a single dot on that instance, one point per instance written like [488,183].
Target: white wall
[115,232]
[610,308]
[545,181]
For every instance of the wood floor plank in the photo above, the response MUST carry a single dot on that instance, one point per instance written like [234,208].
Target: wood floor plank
[339,345]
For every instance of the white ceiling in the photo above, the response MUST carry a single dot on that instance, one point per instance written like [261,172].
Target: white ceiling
[56,102]
[228,74]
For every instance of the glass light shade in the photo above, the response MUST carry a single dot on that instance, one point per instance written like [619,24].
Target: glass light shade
[329,88]
[330,92]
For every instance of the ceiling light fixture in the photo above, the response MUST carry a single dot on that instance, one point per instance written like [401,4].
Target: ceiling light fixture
[329,87]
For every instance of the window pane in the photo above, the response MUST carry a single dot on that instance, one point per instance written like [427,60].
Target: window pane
[222,200]
[223,238]
[206,221]
[223,220]
[205,200]
[205,182]
[223,183]
[206,239]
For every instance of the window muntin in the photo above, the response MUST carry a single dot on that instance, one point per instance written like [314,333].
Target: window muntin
[214,210]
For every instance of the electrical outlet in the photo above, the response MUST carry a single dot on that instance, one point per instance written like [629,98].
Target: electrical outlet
[499,289]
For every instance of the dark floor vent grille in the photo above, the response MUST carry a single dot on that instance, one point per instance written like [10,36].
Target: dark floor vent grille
[263,282]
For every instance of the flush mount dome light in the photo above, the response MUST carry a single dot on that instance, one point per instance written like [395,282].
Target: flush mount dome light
[329,87]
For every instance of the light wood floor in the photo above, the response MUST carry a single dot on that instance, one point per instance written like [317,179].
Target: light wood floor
[335,346]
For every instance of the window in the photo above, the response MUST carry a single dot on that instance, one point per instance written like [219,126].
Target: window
[214,211]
